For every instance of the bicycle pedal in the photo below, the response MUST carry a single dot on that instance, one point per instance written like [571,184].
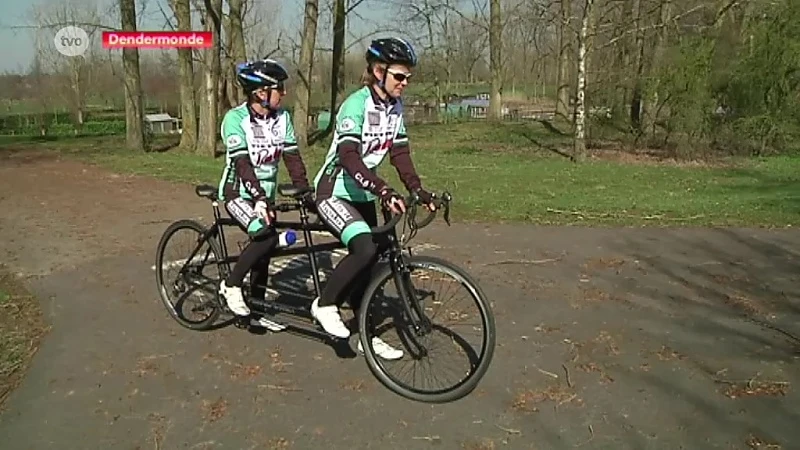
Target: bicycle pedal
[242,322]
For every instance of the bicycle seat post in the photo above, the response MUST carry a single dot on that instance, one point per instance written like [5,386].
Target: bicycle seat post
[221,235]
[312,257]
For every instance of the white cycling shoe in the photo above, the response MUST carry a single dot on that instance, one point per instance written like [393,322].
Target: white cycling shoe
[269,324]
[329,318]
[382,349]
[234,299]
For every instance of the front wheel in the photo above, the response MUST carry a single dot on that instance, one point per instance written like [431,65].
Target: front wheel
[408,320]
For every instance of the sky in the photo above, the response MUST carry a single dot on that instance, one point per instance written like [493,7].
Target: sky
[18,46]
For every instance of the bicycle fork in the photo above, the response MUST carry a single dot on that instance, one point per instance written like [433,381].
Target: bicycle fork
[419,324]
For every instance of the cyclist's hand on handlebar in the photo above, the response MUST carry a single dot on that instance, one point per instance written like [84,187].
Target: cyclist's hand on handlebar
[427,199]
[392,200]
[263,211]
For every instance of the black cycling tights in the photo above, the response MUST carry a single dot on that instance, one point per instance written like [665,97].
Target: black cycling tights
[254,258]
[353,271]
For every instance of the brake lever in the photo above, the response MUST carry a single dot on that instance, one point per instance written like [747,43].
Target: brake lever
[446,197]
[412,210]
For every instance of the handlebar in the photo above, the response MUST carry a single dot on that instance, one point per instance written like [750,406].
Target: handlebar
[442,202]
[412,202]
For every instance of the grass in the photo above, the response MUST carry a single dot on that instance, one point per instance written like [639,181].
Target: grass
[21,329]
[508,173]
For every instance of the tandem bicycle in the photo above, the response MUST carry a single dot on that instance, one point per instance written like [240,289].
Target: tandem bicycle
[411,313]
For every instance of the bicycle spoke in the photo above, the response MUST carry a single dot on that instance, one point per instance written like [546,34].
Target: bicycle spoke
[187,270]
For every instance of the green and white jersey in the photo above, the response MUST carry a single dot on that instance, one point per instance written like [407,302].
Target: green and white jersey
[375,127]
[262,140]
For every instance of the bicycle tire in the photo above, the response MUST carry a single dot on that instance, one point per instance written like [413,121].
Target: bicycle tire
[173,228]
[459,390]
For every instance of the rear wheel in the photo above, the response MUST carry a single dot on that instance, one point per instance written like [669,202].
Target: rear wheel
[189,291]
[408,320]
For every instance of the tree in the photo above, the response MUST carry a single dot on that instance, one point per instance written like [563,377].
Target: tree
[337,58]
[134,111]
[638,82]
[53,16]
[238,51]
[580,104]
[564,82]
[209,113]
[495,61]
[186,79]
[304,71]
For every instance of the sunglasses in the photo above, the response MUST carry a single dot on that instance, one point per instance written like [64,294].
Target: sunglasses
[399,76]
[280,88]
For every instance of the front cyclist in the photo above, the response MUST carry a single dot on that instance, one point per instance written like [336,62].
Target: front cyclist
[369,125]
[257,135]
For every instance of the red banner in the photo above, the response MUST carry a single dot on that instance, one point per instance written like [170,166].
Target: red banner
[157,39]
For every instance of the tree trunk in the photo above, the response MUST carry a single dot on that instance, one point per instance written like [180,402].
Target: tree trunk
[134,114]
[238,51]
[580,105]
[227,94]
[564,58]
[224,102]
[209,117]
[651,110]
[636,97]
[495,112]
[186,80]
[337,61]
[76,65]
[304,73]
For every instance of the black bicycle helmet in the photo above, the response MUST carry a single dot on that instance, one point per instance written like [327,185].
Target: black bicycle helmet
[391,51]
[263,73]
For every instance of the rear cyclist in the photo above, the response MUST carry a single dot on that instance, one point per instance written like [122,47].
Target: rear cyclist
[369,125]
[256,134]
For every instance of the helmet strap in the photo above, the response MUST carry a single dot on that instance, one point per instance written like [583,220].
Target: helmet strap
[266,103]
[382,82]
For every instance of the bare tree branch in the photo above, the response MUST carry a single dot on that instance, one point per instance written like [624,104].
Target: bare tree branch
[627,33]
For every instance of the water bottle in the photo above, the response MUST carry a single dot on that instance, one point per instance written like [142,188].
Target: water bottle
[287,238]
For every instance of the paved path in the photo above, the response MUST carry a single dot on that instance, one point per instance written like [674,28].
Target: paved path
[607,338]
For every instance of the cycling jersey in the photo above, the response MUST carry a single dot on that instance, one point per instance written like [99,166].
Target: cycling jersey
[367,128]
[254,146]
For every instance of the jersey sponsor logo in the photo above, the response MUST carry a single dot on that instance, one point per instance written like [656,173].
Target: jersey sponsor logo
[233,140]
[362,181]
[330,216]
[374,118]
[347,124]
[258,132]
[265,157]
[242,211]
[251,189]
[341,209]
[376,146]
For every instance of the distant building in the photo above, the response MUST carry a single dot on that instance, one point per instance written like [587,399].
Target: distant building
[162,123]
[476,107]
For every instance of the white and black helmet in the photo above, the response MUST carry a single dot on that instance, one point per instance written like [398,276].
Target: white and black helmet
[263,73]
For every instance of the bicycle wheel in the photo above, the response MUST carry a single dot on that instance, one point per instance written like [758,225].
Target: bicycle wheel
[199,279]
[418,345]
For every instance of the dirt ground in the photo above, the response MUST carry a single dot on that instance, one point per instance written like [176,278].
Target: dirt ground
[607,338]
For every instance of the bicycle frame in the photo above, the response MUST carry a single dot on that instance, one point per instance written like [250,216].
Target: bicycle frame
[393,252]
[304,225]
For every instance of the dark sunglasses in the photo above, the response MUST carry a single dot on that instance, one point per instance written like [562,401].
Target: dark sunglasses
[399,76]
[279,87]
